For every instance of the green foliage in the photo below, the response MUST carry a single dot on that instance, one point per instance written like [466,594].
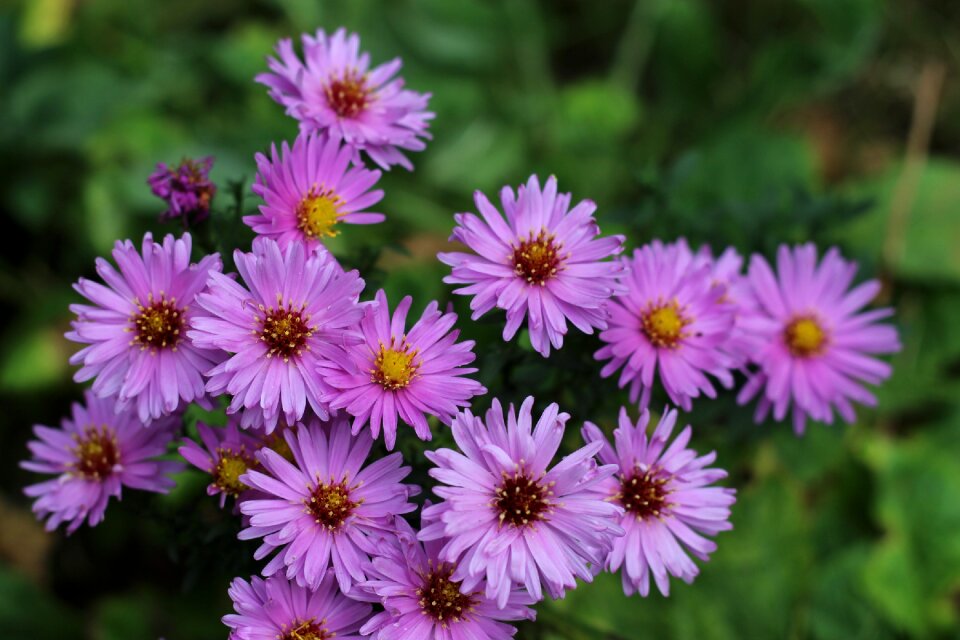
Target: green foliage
[744,122]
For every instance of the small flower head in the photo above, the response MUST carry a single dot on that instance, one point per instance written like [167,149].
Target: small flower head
[138,351]
[334,92]
[186,188]
[278,609]
[225,454]
[510,517]
[817,342]
[669,506]
[673,318]
[309,191]
[544,261]
[296,309]
[395,373]
[423,601]
[320,510]
[94,455]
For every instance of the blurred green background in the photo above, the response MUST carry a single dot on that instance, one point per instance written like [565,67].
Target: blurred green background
[744,122]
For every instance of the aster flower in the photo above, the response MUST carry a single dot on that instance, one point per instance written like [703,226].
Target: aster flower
[226,454]
[394,373]
[135,328]
[320,510]
[296,309]
[511,518]
[669,506]
[545,260]
[94,455]
[422,601]
[277,609]
[186,188]
[333,91]
[726,271]
[817,340]
[673,319]
[309,189]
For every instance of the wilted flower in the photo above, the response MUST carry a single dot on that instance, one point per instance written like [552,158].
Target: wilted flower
[186,188]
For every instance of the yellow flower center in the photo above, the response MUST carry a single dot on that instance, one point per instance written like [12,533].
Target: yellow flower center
[805,337]
[318,214]
[394,368]
[663,325]
[307,630]
[229,468]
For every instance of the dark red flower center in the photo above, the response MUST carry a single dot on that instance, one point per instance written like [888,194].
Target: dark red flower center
[521,499]
[307,630]
[537,259]
[805,337]
[330,504]
[97,452]
[643,493]
[230,466]
[441,598]
[348,95]
[157,325]
[285,332]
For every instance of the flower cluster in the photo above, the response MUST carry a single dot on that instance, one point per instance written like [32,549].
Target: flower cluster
[311,369]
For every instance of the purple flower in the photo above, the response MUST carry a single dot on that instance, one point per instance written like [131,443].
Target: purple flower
[186,188]
[673,318]
[277,609]
[817,341]
[309,189]
[321,509]
[510,518]
[543,260]
[669,505]
[296,309]
[334,92]
[226,455]
[393,372]
[727,271]
[135,329]
[94,455]
[423,601]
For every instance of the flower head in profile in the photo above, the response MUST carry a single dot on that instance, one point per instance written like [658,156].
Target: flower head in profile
[543,260]
[670,508]
[511,518]
[818,342]
[225,454]
[394,373]
[321,509]
[309,190]
[333,91]
[186,188]
[422,600]
[278,609]
[94,454]
[138,351]
[672,320]
[294,309]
